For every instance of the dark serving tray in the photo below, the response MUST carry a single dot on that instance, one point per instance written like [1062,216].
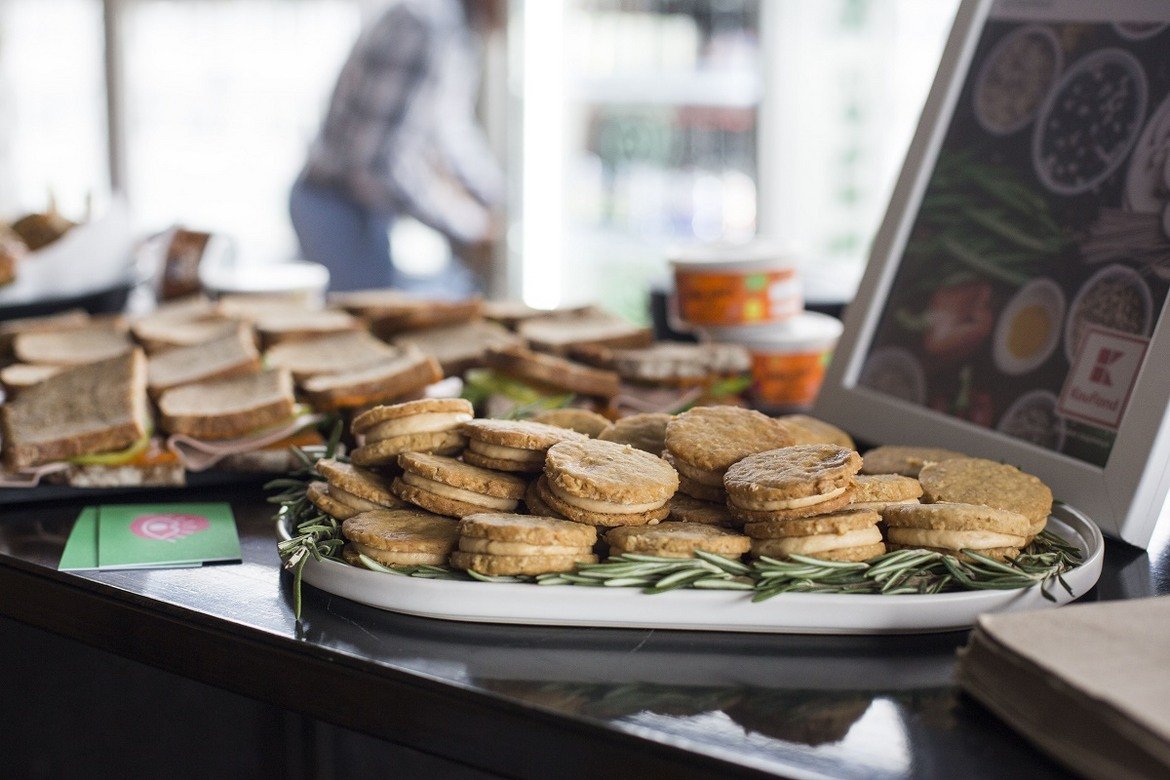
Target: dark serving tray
[203,479]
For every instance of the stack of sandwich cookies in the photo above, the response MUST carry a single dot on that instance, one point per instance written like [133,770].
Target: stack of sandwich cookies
[849,535]
[645,431]
[979,481]
[583,421]
[537,505]
[350,490]
[687,509]
[427,425]
[904,460]
[877,491]
[676,540]
[512,445]
[951,528]
[810,430]
[791,483]
[511,544]
[399,537]
[448,487]
[606,484]
[703,442]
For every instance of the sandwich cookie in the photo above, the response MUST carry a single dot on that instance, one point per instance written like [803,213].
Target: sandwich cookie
[606,484]
[907,461]
[850,535]
[677,540]
[399,537]
[357,488]
[512,445]
[791,483]
[427,425]
[449,487]
[950,528]
[979,481]
[705,441]
[877,491]
[810,430]
[644,431]
[687,509]
[509,544]
[535,504]
[583,421]
[318,495]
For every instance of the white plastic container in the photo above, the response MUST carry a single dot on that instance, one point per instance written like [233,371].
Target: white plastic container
[788,359]
[735,285]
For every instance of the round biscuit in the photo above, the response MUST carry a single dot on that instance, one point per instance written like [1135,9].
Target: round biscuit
[583,421]
[764,516]
[673,538]
[607,471]
[801,471]
[644,431]
[521,434]
[503,464]
[511,565]
[832,523]
[986,482]
[998,553]
[687,509]
[363,483]
[698,490]
[492,547]
[764,547]
[391,558]
[383,412]
[318,495]
[402,530]
[956,517]
[886,488]
[810,430]
[902,459]
[527,529]
[694,473]
[462,475]
[386,451]
[714,437]
[599,518]
[536,505]
[433,502]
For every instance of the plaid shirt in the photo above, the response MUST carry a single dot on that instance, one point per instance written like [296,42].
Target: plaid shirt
[400,134]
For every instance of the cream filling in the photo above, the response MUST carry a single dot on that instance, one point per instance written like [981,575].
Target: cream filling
[702,476]
[493,547]
[785,503]
[352,501]
[878,506]
[819,542]
[395,558]
[604,507]
[954,540]
[428,422]
[459,494]
[501,452]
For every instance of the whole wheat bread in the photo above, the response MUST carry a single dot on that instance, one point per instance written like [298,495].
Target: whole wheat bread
[70,347]
[231,355]
[384,381]
[98,407]
[557,333]
[461,346]
[329,354]
[228,408]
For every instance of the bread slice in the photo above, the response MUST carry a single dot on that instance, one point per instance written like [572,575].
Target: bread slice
[70,319]
[329,354]
[384,381]
[181,323]
[21,376]
[461,346]
[554,373]
[228,408]
[390,312]
[557,333]
[250,307]
[99,407]
[71,347]
[293,325]
[232,355]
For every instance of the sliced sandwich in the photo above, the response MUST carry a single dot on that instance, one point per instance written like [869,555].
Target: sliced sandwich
[461,346]
[329,354]
[182,323]
[71,347]
[71,319]
[294,325]
[390,312]
[232,355]
[391,379]
[21,376]
[561,332]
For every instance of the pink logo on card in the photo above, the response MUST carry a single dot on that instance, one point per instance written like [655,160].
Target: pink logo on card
[1102,377]
[168,528]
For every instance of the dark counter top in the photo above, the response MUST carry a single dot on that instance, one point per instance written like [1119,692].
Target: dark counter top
[537,701]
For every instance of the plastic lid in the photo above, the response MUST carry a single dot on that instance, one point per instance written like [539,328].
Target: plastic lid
[805,332]
[265,278]
[751,255]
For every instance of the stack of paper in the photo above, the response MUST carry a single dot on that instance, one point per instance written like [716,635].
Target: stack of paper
[151,536]
[1088,684]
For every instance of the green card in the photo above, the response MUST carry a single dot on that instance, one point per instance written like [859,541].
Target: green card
[131,536]
[81,548]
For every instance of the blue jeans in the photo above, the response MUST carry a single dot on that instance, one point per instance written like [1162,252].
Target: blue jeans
[345,237]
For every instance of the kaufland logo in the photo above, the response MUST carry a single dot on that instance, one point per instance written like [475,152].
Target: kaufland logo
[1102,377]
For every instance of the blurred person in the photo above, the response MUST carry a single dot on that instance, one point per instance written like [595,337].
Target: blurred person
[400,137]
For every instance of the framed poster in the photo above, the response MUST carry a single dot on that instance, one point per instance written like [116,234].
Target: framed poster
[1014,302]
